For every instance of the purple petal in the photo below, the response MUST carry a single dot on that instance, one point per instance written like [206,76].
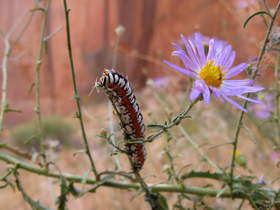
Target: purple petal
[239,87]
[238,83]
[177,68]
[252,89]
[235,103]
[230,60]
[188,63]
[217,94]
[191,51]
[197,89]
[206,94]
[236,70]
[250,99]
[201,52]
[239,90]
[194,94]
[211,51]
[223,56]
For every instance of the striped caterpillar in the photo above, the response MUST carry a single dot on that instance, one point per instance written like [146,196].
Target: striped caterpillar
[122,97]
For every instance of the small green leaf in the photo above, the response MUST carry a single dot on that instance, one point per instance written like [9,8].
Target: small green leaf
[255,14]
[162,202]
[156,126]
[38,9]
[204,174]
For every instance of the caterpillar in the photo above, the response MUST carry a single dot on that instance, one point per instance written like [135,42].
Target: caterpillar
[118,89]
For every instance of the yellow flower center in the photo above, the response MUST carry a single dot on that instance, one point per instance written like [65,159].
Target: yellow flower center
[211,74]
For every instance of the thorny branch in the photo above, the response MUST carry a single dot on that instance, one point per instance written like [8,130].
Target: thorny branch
[38,75]
[8,47]
[239,189]
[4,102]
[77,97]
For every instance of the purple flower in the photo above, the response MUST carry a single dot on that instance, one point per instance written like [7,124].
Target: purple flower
[263,111]
[275,157]
[161,81]
[245,3]
[209,61]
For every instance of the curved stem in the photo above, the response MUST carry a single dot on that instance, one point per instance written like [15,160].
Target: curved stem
[115,184]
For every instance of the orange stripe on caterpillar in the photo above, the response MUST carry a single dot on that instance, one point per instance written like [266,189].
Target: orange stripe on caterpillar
[118,89]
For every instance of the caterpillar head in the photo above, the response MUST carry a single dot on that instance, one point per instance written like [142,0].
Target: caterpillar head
[106,78]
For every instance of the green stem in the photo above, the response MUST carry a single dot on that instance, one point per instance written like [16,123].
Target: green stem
[111,128]
[115,184]
[38,76]
[77,98]
[174,122]
[8,47]
[239,122]
[4,103]
[277,102]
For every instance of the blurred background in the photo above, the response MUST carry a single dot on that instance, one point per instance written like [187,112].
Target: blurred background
[150,28]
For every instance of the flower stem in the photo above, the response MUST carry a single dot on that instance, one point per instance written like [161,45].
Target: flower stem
[77,97]
[254,75]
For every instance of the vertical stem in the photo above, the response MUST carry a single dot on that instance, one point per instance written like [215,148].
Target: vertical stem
[111,128]
[77,98]
[115,53]
[4,103]
[38,65]
[8,47]
[239,122]
[277,102]
[119,31]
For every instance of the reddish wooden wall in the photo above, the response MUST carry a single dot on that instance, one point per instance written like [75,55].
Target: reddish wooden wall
[151,25]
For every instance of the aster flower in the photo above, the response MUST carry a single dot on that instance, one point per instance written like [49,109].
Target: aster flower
[263,111]
[209,61]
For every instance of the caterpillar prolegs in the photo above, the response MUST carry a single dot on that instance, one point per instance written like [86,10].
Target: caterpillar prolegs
[120,92]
